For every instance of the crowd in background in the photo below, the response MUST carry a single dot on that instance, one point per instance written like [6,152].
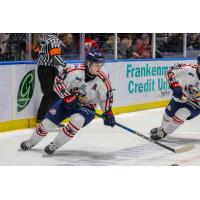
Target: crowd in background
[14,46]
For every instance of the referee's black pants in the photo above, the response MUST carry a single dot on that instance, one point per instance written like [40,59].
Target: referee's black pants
[46,75]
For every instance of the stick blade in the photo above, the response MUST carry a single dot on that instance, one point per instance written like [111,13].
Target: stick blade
[185,148]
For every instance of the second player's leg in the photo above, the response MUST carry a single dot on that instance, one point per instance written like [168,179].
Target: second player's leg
[170,116]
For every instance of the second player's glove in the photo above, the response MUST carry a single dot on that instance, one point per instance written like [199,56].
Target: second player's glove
[109,118]
[177,90]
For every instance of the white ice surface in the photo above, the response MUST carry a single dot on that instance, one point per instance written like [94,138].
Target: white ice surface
[99,145]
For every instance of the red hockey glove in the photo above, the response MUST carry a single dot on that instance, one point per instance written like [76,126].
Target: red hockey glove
[177,90]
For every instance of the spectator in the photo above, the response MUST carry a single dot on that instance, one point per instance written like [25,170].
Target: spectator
[125,47]
[130,47]
[3,41]
[108,46]
[68,47]
[175,43]
[91,45]
[193,41]
[16,46]
[143,47]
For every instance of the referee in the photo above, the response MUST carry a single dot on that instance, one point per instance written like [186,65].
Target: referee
[49,59]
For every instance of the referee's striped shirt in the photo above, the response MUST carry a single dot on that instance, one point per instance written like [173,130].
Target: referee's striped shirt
[50,52]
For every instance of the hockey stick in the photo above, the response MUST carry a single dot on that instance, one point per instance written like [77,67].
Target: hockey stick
[178,150]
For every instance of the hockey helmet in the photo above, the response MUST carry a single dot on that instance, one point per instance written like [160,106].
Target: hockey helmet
[94,57]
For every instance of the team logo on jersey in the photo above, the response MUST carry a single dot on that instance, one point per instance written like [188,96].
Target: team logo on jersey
[25,91]
[94,87]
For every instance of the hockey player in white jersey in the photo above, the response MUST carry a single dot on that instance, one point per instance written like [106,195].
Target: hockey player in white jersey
[184,81]
[79,85]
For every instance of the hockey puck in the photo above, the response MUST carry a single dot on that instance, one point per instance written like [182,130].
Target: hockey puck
[174,164]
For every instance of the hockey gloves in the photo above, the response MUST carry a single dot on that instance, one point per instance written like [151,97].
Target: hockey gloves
[108,118]
[177,90]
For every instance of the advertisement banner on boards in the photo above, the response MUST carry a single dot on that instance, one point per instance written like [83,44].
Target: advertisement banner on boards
[135,82]
[138,82]
[6,90]
[20,92]
[28,94]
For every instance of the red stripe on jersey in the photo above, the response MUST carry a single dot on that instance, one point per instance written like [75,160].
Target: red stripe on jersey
[187,65]
[82,69]
[107,104]
[190,65]
[58,91]
[60,86]
[194,100]
[72,68]
[103,74]
[108,85]
[82,65]
[103,77]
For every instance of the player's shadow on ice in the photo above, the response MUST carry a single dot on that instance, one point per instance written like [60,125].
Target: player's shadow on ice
[82,154]
[85,158]
[32,150]
[133,156]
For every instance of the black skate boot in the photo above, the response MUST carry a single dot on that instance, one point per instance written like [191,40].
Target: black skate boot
[157,133]
[49,149]
[26,145]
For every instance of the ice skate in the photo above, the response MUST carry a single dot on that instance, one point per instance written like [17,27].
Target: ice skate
[26,145]
[49,149]
[157,133]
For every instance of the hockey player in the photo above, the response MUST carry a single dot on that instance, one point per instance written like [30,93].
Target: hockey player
[184,81]
[78,86]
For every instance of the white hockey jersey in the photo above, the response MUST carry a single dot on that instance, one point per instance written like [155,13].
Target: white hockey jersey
[97,91]
[186,76]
